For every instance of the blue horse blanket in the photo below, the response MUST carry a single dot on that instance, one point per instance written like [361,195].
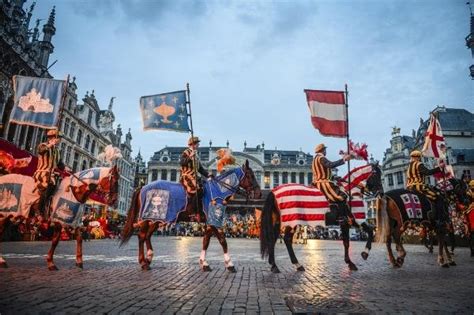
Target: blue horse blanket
[162,200]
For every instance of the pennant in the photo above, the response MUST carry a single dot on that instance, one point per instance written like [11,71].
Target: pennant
[434,145]
[328,112]
[166,111]
[37,101]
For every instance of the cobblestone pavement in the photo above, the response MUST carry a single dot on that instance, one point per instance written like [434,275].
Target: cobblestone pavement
[112,281]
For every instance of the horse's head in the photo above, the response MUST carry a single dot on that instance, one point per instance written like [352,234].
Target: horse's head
[249,182]
[459,192]
[374,182]
[108,186]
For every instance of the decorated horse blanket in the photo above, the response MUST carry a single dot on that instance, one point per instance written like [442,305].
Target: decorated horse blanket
[161,201]
[17,194]
[306,205]
[412,206]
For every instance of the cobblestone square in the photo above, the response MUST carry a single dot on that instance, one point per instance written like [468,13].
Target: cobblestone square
[112,281]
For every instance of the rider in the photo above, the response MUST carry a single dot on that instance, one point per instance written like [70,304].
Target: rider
[46,176]
[322,179]
[190,167]
[416,175]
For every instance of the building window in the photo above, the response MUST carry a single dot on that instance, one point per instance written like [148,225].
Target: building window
[258,177]
[68,155]
[174,176]
[89,117]
[301,178]
[399,178]
[62,150]
[467,174]
[164,174]
[72,130]
[276,179]
[154,175]
[93,147]
[266,179]
[75,162]
[84,165]
[284,179]
[79,137]
[88,140]
[70,104]
[293,177]
[310,178]
[67,121]
[390,179]
[91,164]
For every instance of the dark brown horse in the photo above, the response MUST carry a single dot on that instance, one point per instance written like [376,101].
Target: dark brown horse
[105,186]
[247,185]
[400,210]
[271,223]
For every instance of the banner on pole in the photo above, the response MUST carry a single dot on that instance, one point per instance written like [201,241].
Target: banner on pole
[328,112]
[167,111]
[37,101]
[434,145]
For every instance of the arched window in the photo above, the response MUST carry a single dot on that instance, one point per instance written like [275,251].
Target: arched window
[79,137]
[67,121]
[93,147]
[72,130]
[84,165]
[88,140]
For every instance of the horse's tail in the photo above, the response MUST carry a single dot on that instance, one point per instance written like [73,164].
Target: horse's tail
[267,226]
[383,221]
[127,231]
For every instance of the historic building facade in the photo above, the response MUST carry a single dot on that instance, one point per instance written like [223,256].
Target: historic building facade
[86,129]
[271,167]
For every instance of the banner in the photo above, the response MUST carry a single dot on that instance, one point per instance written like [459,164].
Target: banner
[434,145]
[328,112]
[37,101]
[167,111]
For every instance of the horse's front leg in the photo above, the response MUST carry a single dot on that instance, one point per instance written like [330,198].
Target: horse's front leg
[401,253]
[79,261]
[3,263]
[219,233]
[346,241]
[205,245]
[288,239]
[441,245]
[141,245]
[149,247]
[370,238]
[54,243]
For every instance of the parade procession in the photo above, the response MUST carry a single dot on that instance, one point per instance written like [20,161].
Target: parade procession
[311,88]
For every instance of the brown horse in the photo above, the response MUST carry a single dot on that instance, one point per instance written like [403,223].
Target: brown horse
[400,210]
[246,185]
[105,186]
[271,221]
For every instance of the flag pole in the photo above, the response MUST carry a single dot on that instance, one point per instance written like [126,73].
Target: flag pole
[188,102]
[348,149]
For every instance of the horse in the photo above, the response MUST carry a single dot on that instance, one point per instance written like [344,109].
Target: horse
[162,202]
[19,199]
[401,209]
[289,205]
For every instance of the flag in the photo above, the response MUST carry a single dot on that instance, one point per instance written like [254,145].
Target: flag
[37,101]
[358,151]
[434,141]
[328,112]
[167,111]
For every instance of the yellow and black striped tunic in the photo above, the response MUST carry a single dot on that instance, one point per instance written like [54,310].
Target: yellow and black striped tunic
[48,160]
[322,175]
[188,171]
[416,175]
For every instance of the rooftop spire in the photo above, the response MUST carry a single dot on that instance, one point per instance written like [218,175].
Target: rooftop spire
[52,16]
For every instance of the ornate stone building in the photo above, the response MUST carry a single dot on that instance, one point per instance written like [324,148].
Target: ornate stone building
[22,52]
[271,167]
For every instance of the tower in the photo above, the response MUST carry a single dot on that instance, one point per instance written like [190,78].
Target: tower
[45,46]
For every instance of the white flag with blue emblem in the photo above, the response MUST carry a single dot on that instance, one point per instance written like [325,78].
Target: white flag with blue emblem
[167,111]
[37,101]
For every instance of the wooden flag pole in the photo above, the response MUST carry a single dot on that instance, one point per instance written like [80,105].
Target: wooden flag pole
[348,149]
[195,166]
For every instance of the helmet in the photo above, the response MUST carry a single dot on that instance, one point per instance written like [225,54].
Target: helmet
[415,153]
[193,140]
[319,148]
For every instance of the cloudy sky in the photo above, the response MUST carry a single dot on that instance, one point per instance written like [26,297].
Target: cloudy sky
[248,62]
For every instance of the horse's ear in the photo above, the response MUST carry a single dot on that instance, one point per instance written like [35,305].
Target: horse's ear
[247,164]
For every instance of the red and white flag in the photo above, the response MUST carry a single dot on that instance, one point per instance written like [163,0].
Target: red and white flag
[328,112]
[434,141]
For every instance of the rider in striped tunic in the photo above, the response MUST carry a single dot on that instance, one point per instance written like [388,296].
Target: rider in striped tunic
[322,179]
[45,176]
[190,166]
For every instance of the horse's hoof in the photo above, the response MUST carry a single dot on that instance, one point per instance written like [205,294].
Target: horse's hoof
[453,263]
[364,255]
[206,268]
[146,267]
[446,265]
[300,268]
[275,269]
[3,264]
[52,268]
[148,261]
[352,266]
[80,265]
[431,251]
[231,269]
[400,261]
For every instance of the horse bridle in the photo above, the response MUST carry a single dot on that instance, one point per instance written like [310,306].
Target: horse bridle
[239,190]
